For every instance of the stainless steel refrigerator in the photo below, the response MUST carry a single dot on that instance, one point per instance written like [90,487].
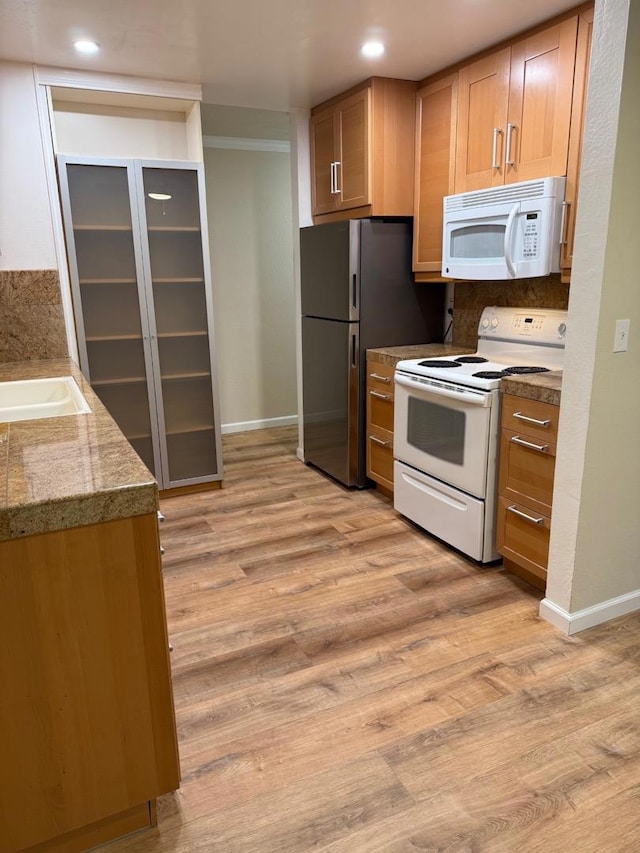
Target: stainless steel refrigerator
[357,293]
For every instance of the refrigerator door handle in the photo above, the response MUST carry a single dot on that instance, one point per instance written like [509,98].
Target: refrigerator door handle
[354,351]
[354,291]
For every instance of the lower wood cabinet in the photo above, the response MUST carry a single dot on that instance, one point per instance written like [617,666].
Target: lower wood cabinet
[380,424]
[87,718]
[527,467]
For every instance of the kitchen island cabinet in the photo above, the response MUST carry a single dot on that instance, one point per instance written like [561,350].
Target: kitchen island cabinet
[87,717]
[362,151]
[530,415]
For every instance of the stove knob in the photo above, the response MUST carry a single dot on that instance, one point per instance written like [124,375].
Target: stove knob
[562,328]
[494,323]
[485,323]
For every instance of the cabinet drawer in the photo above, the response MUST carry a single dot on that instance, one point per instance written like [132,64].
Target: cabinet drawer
[380,458]
[531,417]
[527,468]
[380,376]
[380,407]
[523,536]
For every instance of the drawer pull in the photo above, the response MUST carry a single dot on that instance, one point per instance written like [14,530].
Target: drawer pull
[524,515]
[380,396]
[379,441]
[529,420]
[380,378]
[541,448]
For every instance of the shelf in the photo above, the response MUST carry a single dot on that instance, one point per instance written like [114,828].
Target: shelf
[186,430]
[182,334]
[108,281]
[102,228]
[94,338]
[128,380]
[177,280]
[177,228]
[196,374]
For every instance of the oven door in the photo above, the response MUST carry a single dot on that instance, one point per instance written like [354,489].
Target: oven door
[443,430]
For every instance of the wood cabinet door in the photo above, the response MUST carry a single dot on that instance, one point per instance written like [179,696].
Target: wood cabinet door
[574,160]
[322,156]
[435,169]
[353,150]
[483,97]
[540,92]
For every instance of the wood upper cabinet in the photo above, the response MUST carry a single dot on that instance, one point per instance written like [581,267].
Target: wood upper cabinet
[583,56]
[483,98]
[514,110]
[362,151]
[435,170]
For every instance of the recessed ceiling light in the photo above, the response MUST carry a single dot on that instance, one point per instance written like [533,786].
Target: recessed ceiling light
[159,196]
[372,49]
[86,46]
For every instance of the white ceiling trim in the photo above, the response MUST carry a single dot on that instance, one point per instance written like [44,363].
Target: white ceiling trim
[243,144]
[94,80]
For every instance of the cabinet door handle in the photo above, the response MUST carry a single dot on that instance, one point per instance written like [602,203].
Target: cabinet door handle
[380,378]
[541,448]
[333,178]
[524,515]
[379,441]
[380,396]
[508,159]
[563,223]
[496,132]
[338,187]
[529,420]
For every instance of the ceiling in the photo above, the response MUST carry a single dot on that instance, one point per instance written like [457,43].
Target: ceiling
[271,54]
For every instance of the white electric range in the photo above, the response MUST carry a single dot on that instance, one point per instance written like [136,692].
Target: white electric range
[447,425]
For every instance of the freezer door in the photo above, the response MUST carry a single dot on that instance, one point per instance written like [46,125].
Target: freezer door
[331,405]
[330,270]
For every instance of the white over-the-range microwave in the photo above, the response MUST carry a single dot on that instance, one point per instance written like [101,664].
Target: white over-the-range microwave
[507,232]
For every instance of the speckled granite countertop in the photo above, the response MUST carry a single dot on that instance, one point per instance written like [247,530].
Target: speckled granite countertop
[545,387]
[69,471]
[392,355]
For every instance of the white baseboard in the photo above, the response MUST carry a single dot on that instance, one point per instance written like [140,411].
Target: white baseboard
[300,454]
[267,423]
[572,623]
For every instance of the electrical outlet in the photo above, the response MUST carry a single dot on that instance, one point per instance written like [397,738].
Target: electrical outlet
[621,339]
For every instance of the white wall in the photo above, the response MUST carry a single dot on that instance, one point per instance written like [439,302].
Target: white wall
[99,130]
[249,209]
[594,570]
[26,231]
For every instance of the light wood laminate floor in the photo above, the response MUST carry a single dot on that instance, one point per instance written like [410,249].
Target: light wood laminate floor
[345,683]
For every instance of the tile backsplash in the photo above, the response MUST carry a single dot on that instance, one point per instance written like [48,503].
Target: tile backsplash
[31,316]
[471,297]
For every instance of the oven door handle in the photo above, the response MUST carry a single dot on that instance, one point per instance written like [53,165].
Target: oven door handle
[475,398]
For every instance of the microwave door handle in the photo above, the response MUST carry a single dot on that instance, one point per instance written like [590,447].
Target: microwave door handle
[508,233]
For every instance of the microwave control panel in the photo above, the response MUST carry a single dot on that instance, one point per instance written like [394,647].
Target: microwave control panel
[530,236]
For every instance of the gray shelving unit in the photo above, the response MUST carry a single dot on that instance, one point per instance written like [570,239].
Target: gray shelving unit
[137,244]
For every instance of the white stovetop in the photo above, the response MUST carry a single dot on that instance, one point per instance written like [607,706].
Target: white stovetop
[507,337]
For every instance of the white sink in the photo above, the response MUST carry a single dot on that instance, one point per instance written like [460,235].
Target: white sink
[29,399]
